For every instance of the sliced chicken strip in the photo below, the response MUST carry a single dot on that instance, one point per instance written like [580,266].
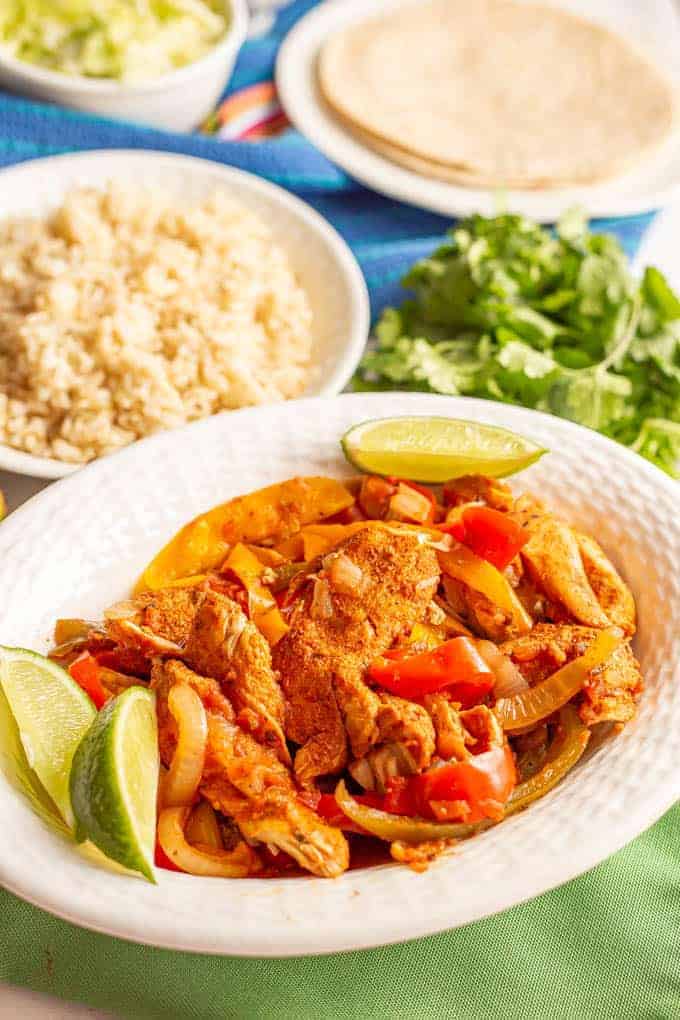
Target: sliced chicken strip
[214,636]
[553,560]
[224,644]
[156,623]
[481,615]
[611,591]
[451,736]
[246,781]
[404,722]
[331,642]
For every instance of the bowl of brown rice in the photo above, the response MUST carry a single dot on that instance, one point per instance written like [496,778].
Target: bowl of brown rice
[140,291]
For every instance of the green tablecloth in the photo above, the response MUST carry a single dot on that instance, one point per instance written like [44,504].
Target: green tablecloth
[603,947]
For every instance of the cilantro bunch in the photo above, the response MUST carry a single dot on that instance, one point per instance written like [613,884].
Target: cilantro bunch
[509,311]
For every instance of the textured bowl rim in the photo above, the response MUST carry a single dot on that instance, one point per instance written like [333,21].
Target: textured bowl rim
[347,268]
[232,40]
[141,916]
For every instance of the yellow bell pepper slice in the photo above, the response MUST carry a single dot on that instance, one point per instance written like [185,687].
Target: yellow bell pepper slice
[276,511]
[264,611]
[268,557]
[464,565]
[292,548]
[187,582]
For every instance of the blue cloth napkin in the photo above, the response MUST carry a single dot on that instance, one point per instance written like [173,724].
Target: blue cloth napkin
[386,236]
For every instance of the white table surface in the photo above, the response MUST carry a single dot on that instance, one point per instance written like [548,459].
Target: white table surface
[18,1003]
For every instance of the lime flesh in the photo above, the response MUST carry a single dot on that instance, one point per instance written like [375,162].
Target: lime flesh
[114,781]
[52,715]
[437,449]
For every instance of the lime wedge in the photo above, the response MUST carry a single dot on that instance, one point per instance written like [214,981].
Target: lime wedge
[52,714]
[437,449]
[114,781]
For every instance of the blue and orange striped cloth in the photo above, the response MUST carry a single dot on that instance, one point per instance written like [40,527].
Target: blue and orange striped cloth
[249,130]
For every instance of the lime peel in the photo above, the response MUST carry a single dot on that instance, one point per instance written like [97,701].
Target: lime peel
[436,449]
[114,781]
[52,714]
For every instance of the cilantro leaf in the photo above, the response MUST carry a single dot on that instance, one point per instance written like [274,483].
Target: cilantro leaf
[508,310]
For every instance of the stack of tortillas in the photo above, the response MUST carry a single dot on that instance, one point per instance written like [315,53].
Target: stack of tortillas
[496,93]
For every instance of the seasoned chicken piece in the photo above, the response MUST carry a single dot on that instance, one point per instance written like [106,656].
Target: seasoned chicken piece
[334,636]
[246,781]
[404,722]
[553,560]
[170,612]
[155,623]
[611,591]
[478,489]
[480,614]
[451,736]
[224,644]
[402,742]
[612,689]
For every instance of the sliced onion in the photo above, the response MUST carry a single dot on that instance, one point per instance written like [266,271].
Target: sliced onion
[428,582]
[374,771]
[125,610]
[202,860]
[443,544]
[184,775]
[361,771]
[344,575]
[509,680]
[536,703]
[203,828]
[408,504]
[321,607]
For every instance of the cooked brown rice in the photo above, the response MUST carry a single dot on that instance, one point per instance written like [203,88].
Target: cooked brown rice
[126,312]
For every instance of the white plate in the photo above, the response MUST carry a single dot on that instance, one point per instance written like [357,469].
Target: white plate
[649,186]
[324,265]
[78,546]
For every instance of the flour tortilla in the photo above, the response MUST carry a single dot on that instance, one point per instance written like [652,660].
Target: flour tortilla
[496,93]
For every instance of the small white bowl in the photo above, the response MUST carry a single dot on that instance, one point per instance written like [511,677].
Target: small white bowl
[176,101]
[321,260]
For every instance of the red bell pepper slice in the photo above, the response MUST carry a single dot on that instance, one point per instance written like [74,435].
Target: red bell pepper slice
[161,860]
[492,535]
[400,797]
[327,808]
[455,665]
[85,671]
[484,782]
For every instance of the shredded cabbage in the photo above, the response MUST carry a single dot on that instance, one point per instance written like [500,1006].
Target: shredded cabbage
[130,40]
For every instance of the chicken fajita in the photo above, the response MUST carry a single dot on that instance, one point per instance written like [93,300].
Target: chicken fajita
[348,670]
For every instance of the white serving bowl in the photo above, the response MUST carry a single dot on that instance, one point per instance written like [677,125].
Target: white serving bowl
[322,262]
[79,546]
[176,101]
